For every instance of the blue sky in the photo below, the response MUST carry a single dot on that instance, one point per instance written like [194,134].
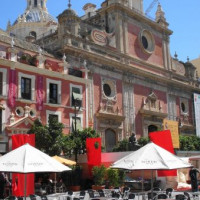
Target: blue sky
[183,17]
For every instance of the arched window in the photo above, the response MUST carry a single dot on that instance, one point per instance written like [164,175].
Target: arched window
[152,128]
[110,139]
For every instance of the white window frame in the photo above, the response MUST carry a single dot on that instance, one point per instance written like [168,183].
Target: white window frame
[3,120]
[48,81]
[4,89]
[75,86]
[78,116]
[32,77]
[50,112]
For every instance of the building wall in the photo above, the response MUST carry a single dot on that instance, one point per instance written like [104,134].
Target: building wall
[135,47]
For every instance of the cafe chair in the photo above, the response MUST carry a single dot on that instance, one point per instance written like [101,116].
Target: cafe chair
[162,196]
[115,195]
[92,195]
[69,194]
[11,198]
[126,191]
[151,195]
[169,192]
[82,194]
[43,197]
[187,195]
[180,197]
[101,193]
[131,196]
[32,197]
[156,189]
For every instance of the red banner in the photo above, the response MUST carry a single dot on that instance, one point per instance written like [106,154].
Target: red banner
[39,96]
[93,146]
[164,140]
[12,88]
[18,179]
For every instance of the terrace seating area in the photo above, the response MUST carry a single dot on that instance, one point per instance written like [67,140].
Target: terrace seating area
[115,194]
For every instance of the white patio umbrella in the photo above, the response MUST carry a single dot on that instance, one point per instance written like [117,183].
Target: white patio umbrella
[27,159]
[151,157]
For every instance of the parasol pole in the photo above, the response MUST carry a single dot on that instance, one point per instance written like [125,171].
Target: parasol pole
[142,180]
[143,196]
[25,186]
[151,184]
[55,181]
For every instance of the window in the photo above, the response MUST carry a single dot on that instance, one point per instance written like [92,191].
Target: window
[79,121]
[108,88]
[19,111]
[146,41]
[1,123]
[33,34]
[184,107]
[172,114]
[42,3]
[76,95]
[3,84]
[26,88]
[76,124]
[35,3]
[2,119]
[75,72]
[53,115]
[53,91]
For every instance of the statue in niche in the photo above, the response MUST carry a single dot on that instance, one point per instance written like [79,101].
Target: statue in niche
[132,143]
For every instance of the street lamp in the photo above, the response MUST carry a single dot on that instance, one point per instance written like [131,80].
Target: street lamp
[77,105]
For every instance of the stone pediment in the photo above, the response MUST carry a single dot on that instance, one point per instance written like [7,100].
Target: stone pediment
[152,107]
[24,124]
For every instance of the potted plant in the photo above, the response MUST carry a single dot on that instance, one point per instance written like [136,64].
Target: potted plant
[113,177]
[98,173]
[72,178]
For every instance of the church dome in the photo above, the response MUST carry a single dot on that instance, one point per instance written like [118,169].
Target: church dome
[35,21]
[35,16]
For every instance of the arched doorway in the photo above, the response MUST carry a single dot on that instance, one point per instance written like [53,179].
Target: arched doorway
[152,128]
[110,140]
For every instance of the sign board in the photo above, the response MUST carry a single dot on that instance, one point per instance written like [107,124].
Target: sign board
[173,127]
[197,113]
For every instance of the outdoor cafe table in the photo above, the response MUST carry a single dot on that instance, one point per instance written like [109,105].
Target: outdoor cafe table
[62,196]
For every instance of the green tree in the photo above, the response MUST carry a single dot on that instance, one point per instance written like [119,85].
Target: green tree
[121,146]
[142,141]
[189,143]
[49,139]
[75,143]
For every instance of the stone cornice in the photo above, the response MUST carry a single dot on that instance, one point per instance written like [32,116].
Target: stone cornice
[135,14]
[28,68]
[162,75]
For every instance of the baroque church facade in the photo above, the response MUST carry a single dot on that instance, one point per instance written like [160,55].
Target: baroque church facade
[114,60]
